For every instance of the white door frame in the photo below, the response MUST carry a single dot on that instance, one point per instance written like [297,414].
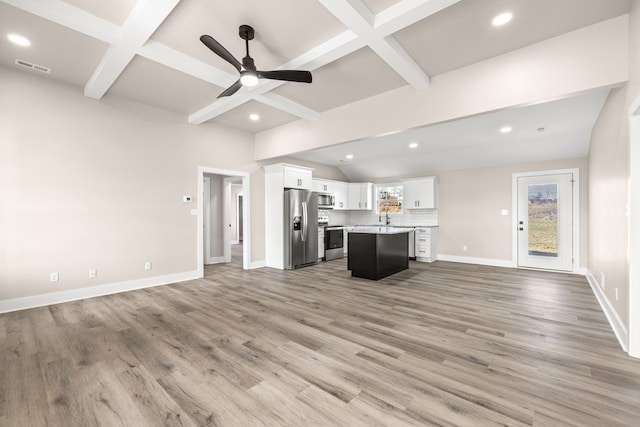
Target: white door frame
[634,229]
[575,265]
[206,229]
[226,217]
[238,197]
[246,247]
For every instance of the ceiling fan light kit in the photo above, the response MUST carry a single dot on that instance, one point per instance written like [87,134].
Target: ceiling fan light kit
[249,75]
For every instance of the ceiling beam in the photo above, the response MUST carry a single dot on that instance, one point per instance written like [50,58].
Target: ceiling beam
[355,16]
[219,107]
[172,58]
[71,17]
[288,106]
[144,20]
[407,12]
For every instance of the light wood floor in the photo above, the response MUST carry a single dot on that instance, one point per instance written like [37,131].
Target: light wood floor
[438,344]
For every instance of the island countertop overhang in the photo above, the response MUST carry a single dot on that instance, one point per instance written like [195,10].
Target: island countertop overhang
[379,230]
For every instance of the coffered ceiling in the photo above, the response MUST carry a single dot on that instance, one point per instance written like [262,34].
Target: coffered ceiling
[149,50]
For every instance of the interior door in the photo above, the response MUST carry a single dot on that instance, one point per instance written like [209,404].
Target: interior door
[545,221]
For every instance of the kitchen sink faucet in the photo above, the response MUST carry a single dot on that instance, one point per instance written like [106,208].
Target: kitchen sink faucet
[386,215]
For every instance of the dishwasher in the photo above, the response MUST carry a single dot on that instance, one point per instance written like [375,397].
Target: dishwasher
[412,244]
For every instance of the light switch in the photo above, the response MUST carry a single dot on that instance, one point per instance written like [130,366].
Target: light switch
[194,212]
[186,199]
[504,212]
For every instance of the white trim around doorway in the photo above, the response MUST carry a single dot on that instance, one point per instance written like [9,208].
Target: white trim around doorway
[575,265]
[246,247]
[633,215]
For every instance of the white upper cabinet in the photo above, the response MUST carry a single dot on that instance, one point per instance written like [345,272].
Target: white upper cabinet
[297,177]
[419,193]
[341,192]
[360,196]
[323,186]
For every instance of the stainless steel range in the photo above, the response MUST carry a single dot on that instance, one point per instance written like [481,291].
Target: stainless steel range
[333,242]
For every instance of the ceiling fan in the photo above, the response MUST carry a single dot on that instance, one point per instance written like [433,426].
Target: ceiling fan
[249,75]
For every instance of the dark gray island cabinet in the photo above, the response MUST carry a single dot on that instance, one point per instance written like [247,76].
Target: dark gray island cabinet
[377,252]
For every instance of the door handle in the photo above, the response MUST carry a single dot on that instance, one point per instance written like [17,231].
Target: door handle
[304,221]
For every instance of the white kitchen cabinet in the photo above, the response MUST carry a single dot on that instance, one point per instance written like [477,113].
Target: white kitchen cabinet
[297,177]
[341,192]
[323,186]
[426,241]
[360,196]
[419,193]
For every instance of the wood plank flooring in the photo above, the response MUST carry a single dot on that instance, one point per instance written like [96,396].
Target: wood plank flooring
[440,344]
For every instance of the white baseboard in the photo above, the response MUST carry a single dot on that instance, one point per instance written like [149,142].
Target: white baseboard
[496,262]
[93,291]
[616,324]
[472,260]
[257,264]
[215,260]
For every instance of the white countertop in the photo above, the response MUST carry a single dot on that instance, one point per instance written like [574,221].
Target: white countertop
[379,230]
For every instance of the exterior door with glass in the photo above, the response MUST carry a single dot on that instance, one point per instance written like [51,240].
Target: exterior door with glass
[545,221]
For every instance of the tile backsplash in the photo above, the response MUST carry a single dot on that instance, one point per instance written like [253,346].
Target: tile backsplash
[409,217]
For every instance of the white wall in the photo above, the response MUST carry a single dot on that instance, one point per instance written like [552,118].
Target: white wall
[609,165]
[99,184]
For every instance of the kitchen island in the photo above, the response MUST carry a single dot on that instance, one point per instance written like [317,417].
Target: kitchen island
[377,252]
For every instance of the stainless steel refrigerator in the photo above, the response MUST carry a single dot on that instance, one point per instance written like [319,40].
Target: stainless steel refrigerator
[300,228]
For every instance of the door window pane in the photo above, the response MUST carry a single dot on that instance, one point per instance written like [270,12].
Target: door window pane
[543,220]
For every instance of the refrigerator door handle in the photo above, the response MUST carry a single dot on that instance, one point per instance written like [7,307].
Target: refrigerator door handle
[304,221]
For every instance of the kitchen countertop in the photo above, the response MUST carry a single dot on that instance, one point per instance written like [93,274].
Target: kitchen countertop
[357,226]
[380,230]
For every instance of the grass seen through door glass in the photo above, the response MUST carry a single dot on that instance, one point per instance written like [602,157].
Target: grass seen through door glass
[543,228]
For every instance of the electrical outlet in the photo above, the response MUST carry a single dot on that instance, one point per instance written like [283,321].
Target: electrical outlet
[602,279]
[147,265]
[53,277]
[93,273]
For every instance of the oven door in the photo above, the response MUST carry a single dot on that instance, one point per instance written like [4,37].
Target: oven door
[333,243]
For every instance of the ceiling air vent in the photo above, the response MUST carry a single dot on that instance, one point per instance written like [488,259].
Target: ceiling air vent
[36,67]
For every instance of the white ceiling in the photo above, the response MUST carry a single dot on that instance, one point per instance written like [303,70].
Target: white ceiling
[149,50]
[554,130]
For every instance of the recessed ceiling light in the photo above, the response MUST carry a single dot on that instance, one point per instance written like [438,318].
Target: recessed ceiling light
[502,19]
[19,40]
[413,145]
[254,117]
[506,129]
[349,156]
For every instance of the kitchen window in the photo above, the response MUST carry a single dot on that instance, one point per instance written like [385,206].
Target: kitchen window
[389,198]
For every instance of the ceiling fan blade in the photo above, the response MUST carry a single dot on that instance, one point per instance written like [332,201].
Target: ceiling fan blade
[231,89]
[219,50]
[287,75]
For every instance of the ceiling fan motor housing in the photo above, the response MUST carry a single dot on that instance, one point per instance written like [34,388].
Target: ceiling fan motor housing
[246,32]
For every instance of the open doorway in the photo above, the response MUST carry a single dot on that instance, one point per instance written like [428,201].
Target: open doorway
[215,212]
